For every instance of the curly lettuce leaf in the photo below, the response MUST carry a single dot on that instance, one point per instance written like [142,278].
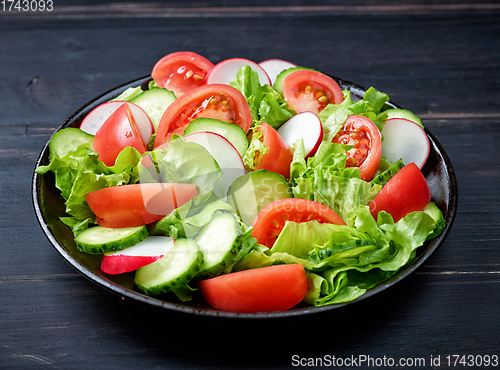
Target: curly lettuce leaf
[334,116]
[81,172]
[265,103]
[325,179]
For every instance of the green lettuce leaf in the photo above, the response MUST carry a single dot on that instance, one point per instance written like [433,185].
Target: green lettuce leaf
[255,151]
[343,261]
[182,162]
[80,172]
[325,179]
[334,116]
[128,94]
[265,103]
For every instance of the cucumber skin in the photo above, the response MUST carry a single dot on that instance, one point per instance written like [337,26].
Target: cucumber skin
[216,126]
[69,135]
[112,246]
[246,214]
[175,283]
[229,258]
[284,74]
[385,176]
[432,210]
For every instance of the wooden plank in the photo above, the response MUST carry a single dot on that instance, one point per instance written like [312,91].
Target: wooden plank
[159,10]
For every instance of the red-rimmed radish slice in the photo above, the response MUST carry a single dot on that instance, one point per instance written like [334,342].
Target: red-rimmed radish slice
[274,67]
[225,71]
[225,154]
[406,140]
[96,118]
[306,126]
[137,256]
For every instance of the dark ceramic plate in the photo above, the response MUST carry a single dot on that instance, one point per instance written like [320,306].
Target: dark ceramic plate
[49,207]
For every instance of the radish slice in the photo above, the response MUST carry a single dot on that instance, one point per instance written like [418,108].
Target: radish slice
[274,67]
[225,154]
[225,71]
[305,125]
[95,119]
[130,259]
[406,140]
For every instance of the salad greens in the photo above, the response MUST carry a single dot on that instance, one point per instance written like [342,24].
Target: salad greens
[342,261]
[266,104]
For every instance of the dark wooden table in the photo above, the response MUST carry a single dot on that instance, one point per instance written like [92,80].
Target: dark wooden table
[439,59]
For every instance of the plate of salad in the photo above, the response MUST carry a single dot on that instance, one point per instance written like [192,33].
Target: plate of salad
[244,189]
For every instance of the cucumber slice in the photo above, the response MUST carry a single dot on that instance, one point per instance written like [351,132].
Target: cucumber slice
[99,239]
[432,210]
[284,74]
[403,113]
[174,270]
[68,140]
[385,176]
[250,193]
[154,102]
[232,133]
[217,243]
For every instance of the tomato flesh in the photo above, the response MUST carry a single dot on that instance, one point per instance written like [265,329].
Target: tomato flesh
[310,91]
[272,218]
[221,102]
[364,136]
[279,156]
[264,289]
[116,133]
[407,191]
[137,204]
[181,72]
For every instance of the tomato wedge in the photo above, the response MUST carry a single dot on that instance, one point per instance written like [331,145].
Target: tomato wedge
[407,191]
[218,101]
[137,204]
[117,132]
[279,156]
[272,218]
[181,72]
[311,91]
[264,289]
[364,135]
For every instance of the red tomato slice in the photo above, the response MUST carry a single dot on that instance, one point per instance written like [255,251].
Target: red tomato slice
[407,191]
[365,136]
[272,218]
[221,102]
[311,91]
[137,204]
[264,289]
[181,72]
[279,156]
[117,132]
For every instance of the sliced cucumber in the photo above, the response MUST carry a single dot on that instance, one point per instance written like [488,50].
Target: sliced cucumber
[99,239]
[385,176]
[68,140]
[217,243]
[174,270]
[154,102]
[284,74]
[403,113]
[233,133]
[432,210]
[250,193]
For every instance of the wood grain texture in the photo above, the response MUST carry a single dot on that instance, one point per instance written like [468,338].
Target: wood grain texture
[438,59]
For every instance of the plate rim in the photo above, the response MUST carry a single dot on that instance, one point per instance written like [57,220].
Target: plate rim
[357,90]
